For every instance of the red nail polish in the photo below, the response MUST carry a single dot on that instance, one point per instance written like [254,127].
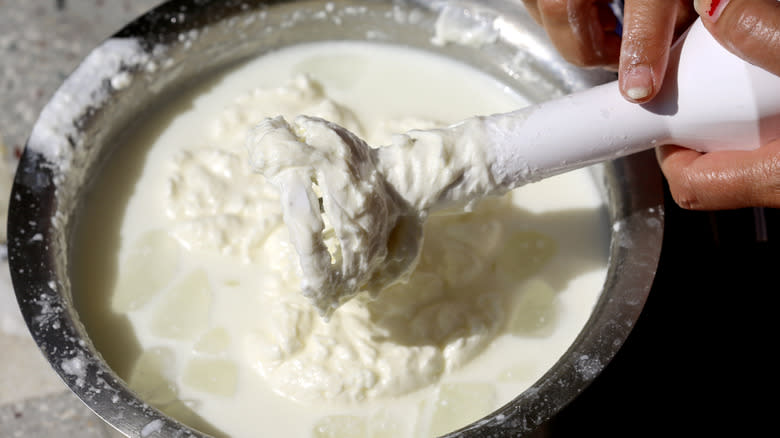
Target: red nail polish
[713,7]
[710,9]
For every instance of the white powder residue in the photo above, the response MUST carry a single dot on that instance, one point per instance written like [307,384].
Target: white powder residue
[470,26]
[588,367]
[48,312]
[121,80]
[57,125]
[151,427]
[76,366]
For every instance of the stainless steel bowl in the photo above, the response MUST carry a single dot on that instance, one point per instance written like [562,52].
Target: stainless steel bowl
[183,40]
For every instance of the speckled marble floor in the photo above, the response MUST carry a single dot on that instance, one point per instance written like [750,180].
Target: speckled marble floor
[41,42]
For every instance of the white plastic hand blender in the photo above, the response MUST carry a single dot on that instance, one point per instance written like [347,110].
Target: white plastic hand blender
[711,100]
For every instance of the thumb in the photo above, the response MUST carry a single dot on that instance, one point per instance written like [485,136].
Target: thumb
[748,28]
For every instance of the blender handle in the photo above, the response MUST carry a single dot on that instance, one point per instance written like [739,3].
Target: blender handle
[711,100]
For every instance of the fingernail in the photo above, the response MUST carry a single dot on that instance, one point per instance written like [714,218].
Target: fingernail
[638,82]
[710,9]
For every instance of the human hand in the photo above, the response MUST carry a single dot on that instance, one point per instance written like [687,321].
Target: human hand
[732,179]
[583,31]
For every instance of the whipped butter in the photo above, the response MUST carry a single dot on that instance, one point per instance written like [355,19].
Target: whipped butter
[372,201]
[192,292]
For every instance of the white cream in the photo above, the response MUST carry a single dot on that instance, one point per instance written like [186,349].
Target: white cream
[206,319]
[374,200]
[367,236]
